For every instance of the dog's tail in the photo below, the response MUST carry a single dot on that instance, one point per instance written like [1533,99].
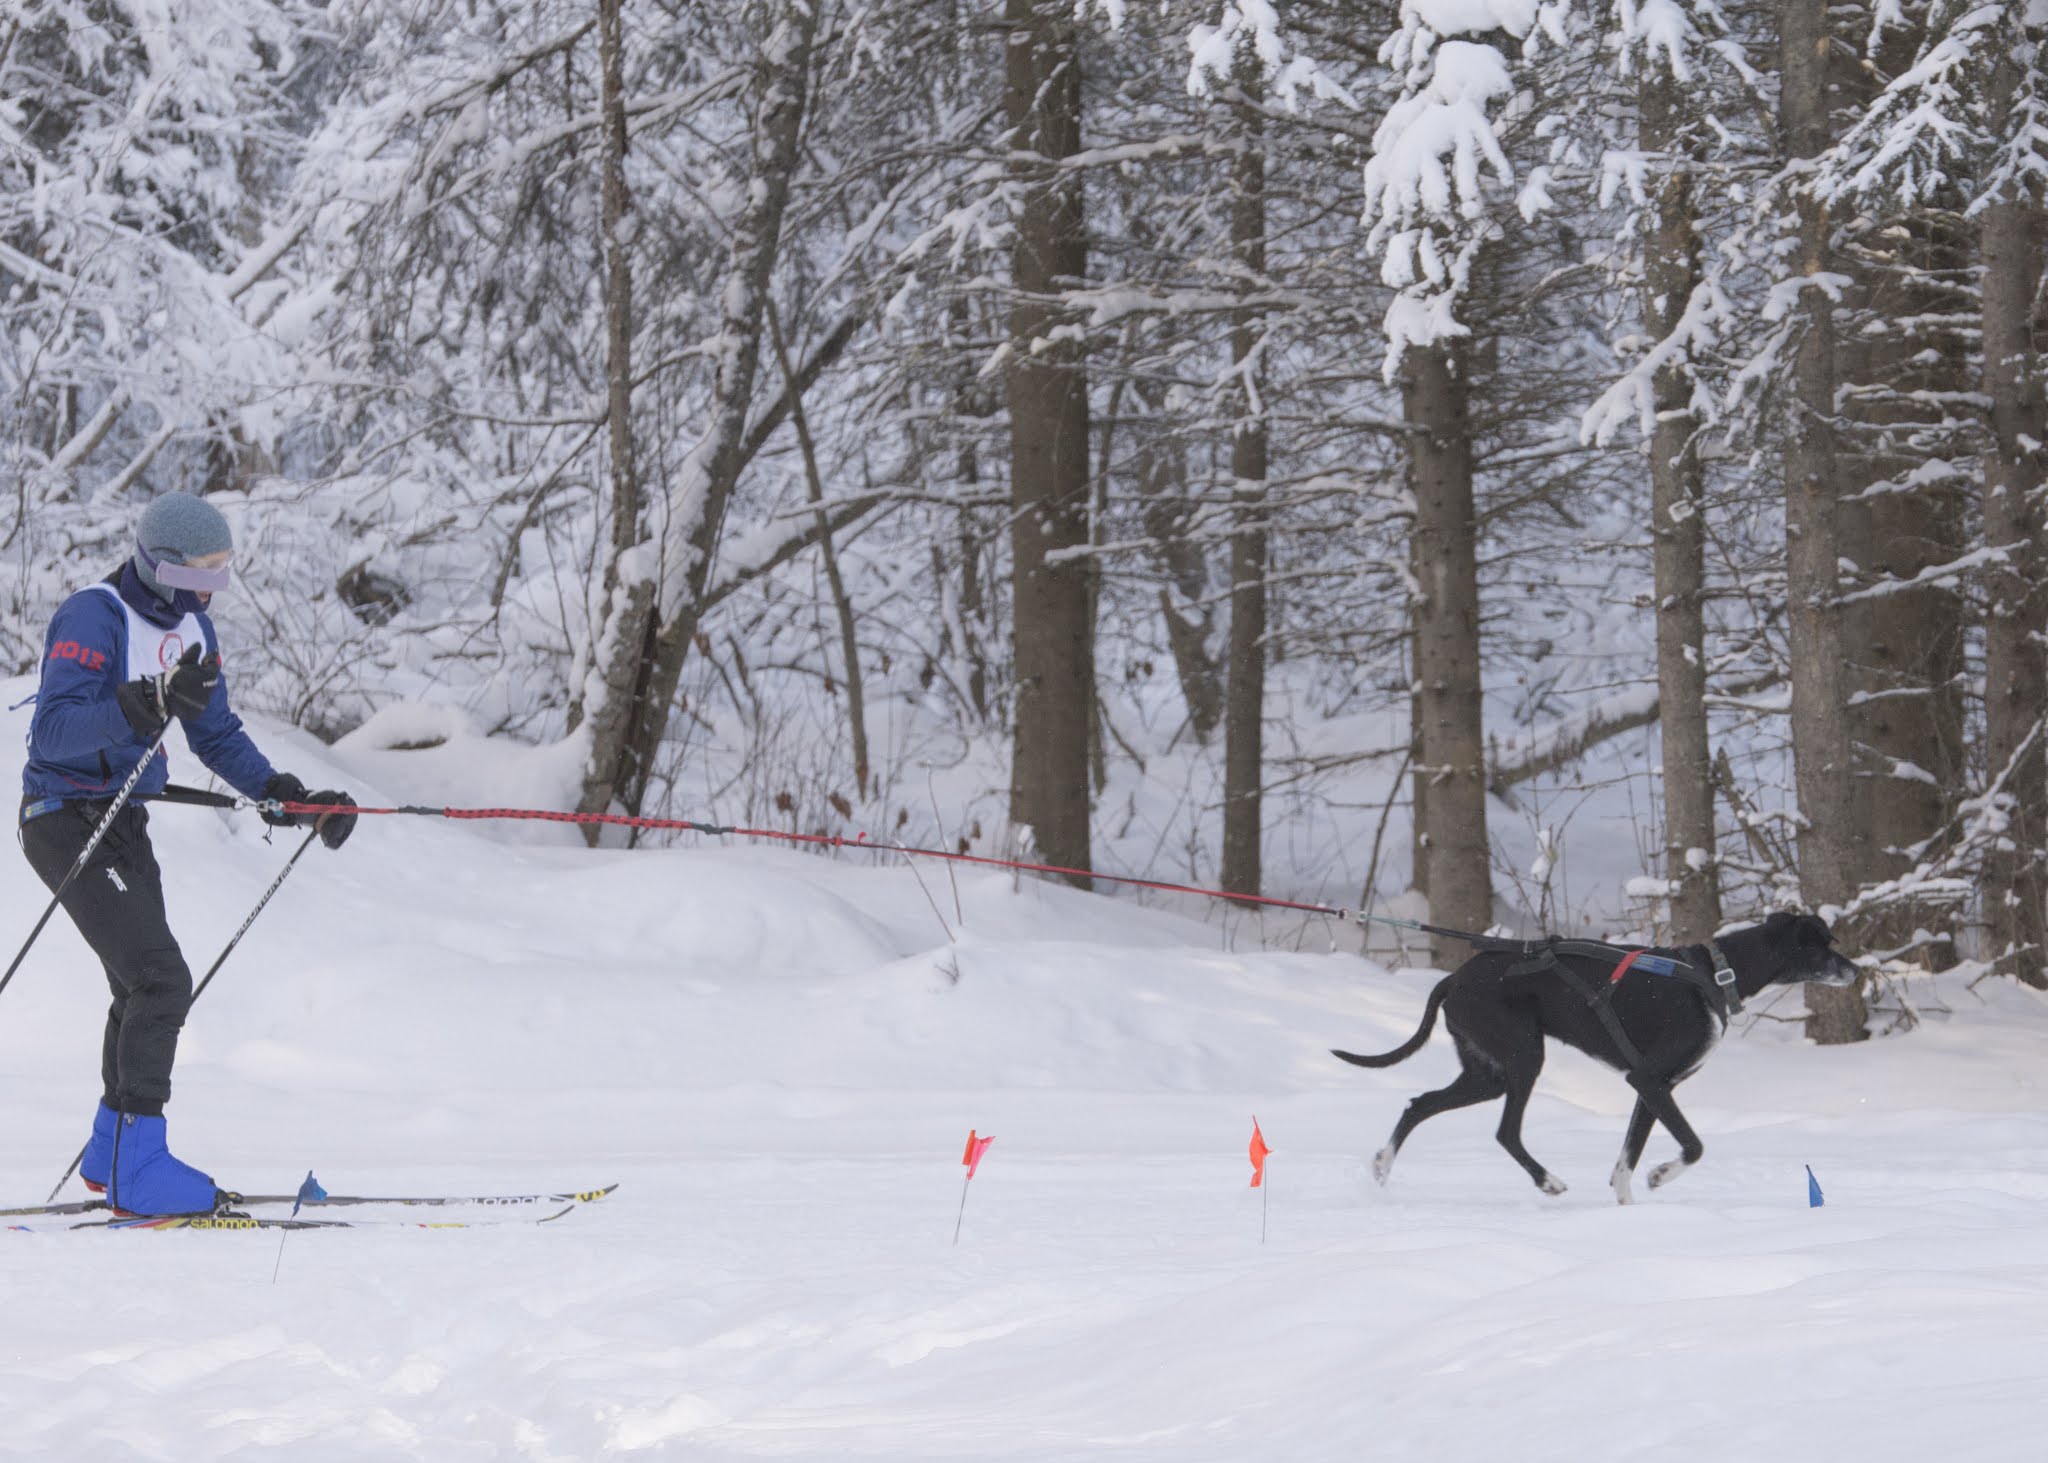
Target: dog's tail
[1409,1047]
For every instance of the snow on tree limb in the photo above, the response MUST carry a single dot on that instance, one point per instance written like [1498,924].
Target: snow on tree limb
[1427,200]
[1634,395]
[1256,23]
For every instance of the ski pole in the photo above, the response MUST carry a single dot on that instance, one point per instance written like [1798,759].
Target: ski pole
[211,971]
[229,949]
[78,864]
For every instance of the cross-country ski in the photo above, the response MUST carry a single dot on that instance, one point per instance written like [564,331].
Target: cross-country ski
[235,1220]
[566,1197]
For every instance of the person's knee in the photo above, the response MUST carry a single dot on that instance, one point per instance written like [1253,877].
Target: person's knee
[164,984]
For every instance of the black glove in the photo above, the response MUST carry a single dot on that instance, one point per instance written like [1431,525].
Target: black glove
[139,703]
[283,788]
[334,827]
[182,691]
[188,686]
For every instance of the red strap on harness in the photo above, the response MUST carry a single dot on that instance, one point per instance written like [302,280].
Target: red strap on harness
[1622,969]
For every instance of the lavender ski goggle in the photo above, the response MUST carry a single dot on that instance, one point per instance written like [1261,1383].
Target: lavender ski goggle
[189,576]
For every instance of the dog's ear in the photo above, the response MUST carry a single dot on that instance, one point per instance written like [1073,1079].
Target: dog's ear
[1813,930]
[1778,924]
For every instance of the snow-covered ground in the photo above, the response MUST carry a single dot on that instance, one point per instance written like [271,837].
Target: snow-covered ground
[779,1058]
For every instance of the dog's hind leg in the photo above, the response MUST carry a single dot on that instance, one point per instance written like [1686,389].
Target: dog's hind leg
[1639,1124]
[1521,1081]
[1657,1097]
[1479,1082]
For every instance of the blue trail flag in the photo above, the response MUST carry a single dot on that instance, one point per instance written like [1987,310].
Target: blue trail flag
[311,1190]
[1814,1198]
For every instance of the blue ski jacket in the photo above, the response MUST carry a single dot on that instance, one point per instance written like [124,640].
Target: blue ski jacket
[79,743]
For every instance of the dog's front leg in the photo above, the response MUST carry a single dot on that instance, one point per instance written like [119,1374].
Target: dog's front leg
[1639,1124]
[1657,1097]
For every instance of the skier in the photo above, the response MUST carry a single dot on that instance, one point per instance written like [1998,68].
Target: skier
[122,658]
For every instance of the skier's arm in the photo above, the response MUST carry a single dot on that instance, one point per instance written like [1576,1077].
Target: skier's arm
[77,713]
[218,739]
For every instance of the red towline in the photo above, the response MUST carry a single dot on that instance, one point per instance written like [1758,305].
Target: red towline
[824,840]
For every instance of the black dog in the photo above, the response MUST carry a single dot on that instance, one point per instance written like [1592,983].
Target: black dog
[1655,1015]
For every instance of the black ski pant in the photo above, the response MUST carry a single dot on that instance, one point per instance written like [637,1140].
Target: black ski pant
[117,902]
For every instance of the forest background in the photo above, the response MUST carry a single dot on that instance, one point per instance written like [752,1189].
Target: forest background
[1244,443]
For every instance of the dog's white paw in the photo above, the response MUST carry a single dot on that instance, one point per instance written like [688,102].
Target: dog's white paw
[1383,1163]
[1624,1192]
[1551,1185]
[1664,1173]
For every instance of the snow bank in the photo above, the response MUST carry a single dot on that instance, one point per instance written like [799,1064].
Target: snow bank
[779,1057]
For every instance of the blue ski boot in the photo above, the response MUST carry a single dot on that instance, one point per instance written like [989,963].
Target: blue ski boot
[146,1179]
[98,1160]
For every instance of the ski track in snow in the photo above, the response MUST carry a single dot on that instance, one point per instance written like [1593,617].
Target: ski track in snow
[768,1052]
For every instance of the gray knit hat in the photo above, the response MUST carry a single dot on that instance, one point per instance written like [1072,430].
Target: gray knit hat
[173,531]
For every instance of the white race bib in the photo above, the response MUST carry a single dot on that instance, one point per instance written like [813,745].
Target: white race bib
[152,649]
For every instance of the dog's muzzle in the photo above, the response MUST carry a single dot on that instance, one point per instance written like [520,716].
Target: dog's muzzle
[1840,971]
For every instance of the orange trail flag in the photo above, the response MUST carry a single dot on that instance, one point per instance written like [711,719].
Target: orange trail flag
[1259,1150]
[976,1146]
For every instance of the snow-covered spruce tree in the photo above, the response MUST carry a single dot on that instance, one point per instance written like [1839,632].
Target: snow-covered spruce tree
[1431,217]
[1236,57]
[1335,511]
[1165,287]
[2012,213]
[1955,144]
[1199,332]
[1486,331]
[1906,428]
[1152,312]
[1828,841]
[1243,447]
[1309,436]
[1676,55]
[1862,341]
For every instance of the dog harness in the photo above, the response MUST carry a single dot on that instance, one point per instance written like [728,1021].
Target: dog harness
[1717,988]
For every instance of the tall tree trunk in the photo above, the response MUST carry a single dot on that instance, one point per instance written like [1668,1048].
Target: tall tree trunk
[614,697]
[1904,647]
[972,401]
[1046,383]
[1444,557]
[828,554]
[973,647]
[1418,784]
[616,204]
[1820,731]
[1671,271]
[1159,471]
[652,619]
[2016,625]
[1244,723]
